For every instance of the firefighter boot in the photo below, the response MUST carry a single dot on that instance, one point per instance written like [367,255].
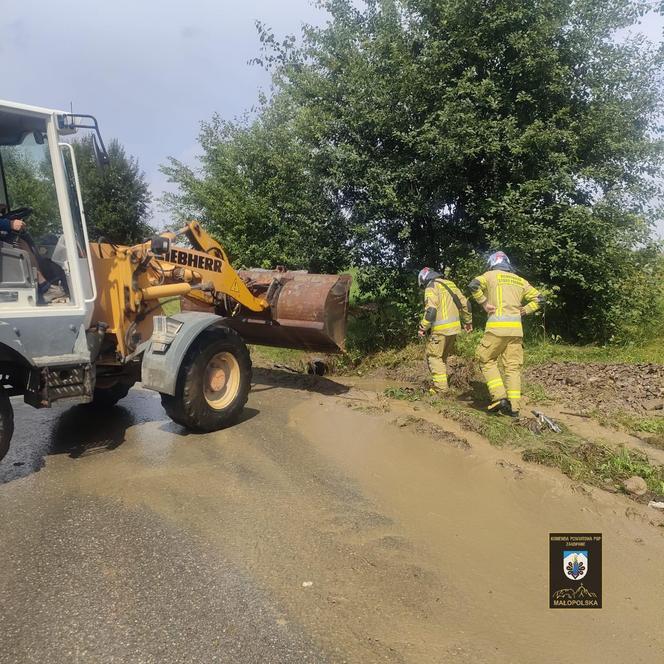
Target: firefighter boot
[500,407]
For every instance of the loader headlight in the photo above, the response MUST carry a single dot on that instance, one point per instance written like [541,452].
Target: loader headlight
[164,330]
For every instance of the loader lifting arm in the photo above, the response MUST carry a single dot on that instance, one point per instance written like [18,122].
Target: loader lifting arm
[291,309]
[198,360]
[203,273]
[132,281]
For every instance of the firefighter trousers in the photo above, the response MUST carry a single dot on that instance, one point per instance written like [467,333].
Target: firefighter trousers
[509,351]
[439,348]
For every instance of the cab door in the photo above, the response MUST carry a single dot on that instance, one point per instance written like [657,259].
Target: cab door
[55,251]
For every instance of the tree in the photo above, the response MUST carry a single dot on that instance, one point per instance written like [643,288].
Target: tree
[259,191]
[116,198]
[30,184]
[438,130]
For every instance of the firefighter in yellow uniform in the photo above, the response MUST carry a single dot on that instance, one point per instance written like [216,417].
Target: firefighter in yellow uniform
[506,297]
[445,310]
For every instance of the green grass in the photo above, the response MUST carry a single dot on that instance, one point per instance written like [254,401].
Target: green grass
[598,465]
[404,393]
[536,352]
[540,352]
[498,431]
[536,393]
[501,431]
[641,424]
[394,357]
[635,424]
[170,305]
[630,422]
[286,356]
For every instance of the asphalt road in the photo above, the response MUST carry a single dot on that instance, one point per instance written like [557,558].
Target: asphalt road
[308,532]
[90,577]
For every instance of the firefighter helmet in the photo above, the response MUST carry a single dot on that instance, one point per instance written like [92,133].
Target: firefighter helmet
[499,259]
[423,277]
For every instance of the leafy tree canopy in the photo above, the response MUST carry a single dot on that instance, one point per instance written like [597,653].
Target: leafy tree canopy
[261,191]
[410,132]
[116,198]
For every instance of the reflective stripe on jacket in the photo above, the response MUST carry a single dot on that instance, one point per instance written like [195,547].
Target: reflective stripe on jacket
[448,318]
[508,292]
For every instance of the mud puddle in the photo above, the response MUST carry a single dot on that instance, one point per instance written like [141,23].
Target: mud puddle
[382,543]
[583,397]
[483,521]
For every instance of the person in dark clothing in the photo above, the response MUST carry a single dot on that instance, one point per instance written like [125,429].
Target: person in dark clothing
[48,292]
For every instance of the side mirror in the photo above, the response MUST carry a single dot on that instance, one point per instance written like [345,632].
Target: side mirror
[69,123]
[101,156]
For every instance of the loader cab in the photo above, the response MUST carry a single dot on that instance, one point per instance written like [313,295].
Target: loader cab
[29,174]
[39,181]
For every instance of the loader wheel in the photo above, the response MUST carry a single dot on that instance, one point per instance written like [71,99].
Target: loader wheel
[213,382]
[6,422]
[105,397]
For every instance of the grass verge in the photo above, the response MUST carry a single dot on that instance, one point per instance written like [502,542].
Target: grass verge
[635,424]
[536,352]
[266,355]
[598,465]
[540,352]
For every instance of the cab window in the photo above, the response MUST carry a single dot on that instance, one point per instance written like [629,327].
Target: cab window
[29,183]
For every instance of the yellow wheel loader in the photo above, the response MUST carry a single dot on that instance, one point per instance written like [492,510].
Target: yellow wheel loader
[84,320]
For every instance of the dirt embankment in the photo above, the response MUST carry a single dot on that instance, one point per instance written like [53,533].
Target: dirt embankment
[607,388]
[635,388]
[462,372]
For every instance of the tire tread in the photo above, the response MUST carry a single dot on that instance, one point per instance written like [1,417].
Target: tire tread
[187,407]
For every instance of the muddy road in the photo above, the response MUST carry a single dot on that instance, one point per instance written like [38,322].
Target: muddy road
[315,530]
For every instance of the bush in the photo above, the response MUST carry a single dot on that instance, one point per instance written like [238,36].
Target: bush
[385,309]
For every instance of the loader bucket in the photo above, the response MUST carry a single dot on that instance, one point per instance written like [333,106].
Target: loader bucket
[307,311]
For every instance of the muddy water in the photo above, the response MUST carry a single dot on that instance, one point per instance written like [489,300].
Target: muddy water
[308,532]
[484,529]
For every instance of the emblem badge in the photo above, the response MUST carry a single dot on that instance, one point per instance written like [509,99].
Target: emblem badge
[575,564]
[576,584]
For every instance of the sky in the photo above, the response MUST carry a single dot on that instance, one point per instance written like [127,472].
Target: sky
[149,70]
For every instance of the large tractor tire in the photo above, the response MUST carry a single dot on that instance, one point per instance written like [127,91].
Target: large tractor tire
[106,397]
[213,382]
[6,422]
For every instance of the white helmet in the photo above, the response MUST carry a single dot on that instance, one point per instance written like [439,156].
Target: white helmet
[423,277]
[499,259]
